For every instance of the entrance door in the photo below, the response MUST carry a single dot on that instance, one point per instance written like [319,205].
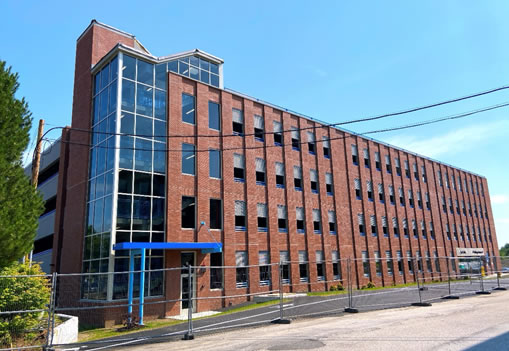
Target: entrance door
[187,258]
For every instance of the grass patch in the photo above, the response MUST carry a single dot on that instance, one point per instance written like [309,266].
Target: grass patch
[326,293]
[88,333]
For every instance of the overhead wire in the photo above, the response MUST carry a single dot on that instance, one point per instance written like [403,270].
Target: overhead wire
[407,126]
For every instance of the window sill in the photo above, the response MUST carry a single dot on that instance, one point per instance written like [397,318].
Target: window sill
[261,183]
[278,144]
[312,153]
[241,285]
[317,231]
[330,194]
[259,139]
[262,230]
[239,180]
[240,229]
[314,191]
[295,148]
[298,189]
[333,232]
[280,186]
[238,134]
[282,230]
[326,156]
[301,231]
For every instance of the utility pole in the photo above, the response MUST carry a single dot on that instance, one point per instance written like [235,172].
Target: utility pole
[35,171]
[37,159]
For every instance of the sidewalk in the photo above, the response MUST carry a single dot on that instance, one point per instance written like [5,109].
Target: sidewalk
[475,323]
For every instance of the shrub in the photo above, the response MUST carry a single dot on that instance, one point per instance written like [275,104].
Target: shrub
[333,288]
[340,287]
[370,285]
[23,293]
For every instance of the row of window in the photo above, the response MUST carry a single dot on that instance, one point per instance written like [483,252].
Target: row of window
[214,113]
[425,230]
[417,176]
[463,210]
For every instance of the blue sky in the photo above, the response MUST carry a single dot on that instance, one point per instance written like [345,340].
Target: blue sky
[334,61]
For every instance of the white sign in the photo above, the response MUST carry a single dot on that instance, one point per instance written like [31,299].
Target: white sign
[462,252]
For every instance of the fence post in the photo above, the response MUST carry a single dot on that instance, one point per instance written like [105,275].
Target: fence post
[350,308]
[189,335]
[450,296]
[281,320]
[481,269]
[416,275]
[51,313]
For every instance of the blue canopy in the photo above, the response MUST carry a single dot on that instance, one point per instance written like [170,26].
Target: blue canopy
[204,247]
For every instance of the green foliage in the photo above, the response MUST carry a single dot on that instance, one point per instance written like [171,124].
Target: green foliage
[338,287]
[23,293]
[369,285]
[21,205]
[504,250]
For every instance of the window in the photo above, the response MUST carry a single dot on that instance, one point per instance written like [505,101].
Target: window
[405,227]
[419,261]
[332,222]
[469,209]
[377,161]
[400,262]
[466,184]
[391,194]
[357,186]
[459,184]
[284,259]
[216,214]
[336,265]
[463,209]
[281,218]
[384,227]
[449,200]
[320,266]
[313,176]
[372,222]
[297,178]
[423,230]
[280,175]
[303,266]
[260,171]
[240,216]
[262,217]
[444,206]
[388,258]
[355,158]
[453,260]
[410,198]
[457,205]
[326,147]
[398,167]
[295,138]
[453,181]
[216,271]
[388,164]
[365,264]
[395,227]
[446,176]
[414,229]
[431,231]
[416,173]
[428,205]
[188,159]
[214,163]
[258,128]
[366,157]
[311,143]
[369,188]
[447,231]
[360,219]
[419,199]
[188,212]
[188,110]
[328,183]
[241,270]
[278,133]
[409,261]
[407,169]
[437,262]
[238,168]
[378,263]
[299,214]
[238,121]
[214,116]
[439,176]
[264,262]
[401,197]
[317,228]
[455,232]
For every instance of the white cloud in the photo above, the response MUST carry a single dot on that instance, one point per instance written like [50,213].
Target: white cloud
[458,140]
[499,199]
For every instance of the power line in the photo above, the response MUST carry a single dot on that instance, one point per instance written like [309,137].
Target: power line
[414,109]
[407,126]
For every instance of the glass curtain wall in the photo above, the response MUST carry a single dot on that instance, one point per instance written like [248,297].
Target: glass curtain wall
[139,197]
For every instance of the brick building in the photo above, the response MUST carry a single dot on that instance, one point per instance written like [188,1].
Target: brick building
[159,151]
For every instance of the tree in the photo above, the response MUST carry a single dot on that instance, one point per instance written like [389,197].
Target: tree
[504,250]
[20,204]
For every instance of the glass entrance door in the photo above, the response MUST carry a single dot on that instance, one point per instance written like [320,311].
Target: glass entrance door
[186,259]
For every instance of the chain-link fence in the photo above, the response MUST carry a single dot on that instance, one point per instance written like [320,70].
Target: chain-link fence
[204,299]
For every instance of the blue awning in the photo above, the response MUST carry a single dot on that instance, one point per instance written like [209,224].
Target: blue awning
[204,247]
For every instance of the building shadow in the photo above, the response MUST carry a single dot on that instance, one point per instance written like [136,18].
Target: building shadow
[500,342]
